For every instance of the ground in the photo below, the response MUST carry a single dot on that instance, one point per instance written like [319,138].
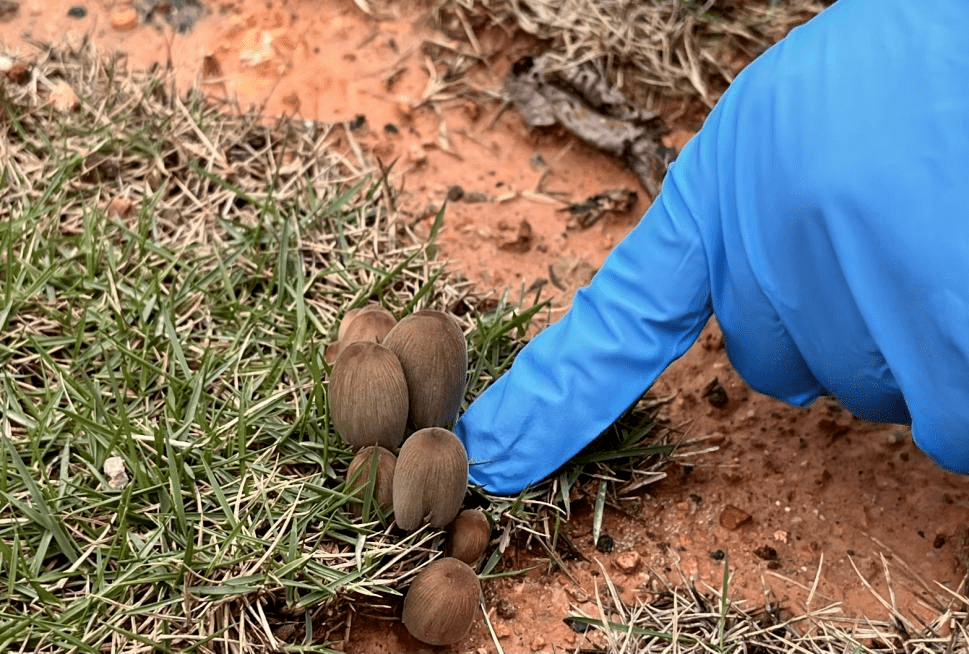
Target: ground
[808,507]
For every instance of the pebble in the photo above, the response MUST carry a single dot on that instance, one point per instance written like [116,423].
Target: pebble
[627,562]
[538,644]
[733,517]
[114,470]
[417,155]
[63,97]
[505,609]
[125,19]
[18,73]
[77,11]
[120,207]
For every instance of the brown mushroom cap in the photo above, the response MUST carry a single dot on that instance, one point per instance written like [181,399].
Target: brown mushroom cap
[369,323]
[434,354]
[368,396]
[442,601]
[359,472]
[430,480]
[351,315]
[468,536]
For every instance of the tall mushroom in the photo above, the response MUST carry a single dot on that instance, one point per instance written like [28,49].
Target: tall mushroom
[430,479]
[434,354]
[368,396]
[442,601]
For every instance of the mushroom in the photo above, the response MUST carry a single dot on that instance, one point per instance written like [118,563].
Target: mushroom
[468,536]
[430,480]
[350,316]
[362,467]
[368,396]
[442,601]
[369,323]
[434,354]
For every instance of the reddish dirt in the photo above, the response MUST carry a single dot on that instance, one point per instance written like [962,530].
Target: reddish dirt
[829,497]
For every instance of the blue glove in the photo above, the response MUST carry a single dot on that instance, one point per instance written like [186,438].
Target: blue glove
[820,214]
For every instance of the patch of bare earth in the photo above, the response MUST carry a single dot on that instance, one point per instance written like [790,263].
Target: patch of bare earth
[809,508]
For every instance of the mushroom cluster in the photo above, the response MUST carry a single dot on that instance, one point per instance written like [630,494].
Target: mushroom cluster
[397,387]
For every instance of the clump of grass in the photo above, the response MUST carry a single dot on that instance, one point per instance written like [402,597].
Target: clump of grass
[171,273]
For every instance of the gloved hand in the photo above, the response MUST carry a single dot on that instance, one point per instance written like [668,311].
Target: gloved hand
[820,213]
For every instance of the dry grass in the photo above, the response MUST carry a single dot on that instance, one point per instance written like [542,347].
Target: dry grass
[655,50]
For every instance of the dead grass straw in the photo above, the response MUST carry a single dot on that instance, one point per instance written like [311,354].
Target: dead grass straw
[654,49]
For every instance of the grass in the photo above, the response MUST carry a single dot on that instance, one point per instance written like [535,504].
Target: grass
[170,277]
[185,337]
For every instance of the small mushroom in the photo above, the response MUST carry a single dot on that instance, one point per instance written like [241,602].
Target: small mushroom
[350,316]
[468,536]
[434,354]
[368,396]
[430,480]
[362,467]
[369,323]
[442,602]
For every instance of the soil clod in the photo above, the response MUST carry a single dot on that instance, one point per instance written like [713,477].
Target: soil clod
[716,394]
[732,517]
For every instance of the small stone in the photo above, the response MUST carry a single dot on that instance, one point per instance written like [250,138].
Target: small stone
[292,102]
[77,11]
[505,609]
[211,68]
[605,543]
[114,469]
[538,644]
[63,97]
[523,240]
[627,562]
[766,552]
[716,394]
[502,630]
[576,625]
[18,73]
[732,517]
[475,197]
[417,155]
[120,207]
[125,19]
[782,536]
